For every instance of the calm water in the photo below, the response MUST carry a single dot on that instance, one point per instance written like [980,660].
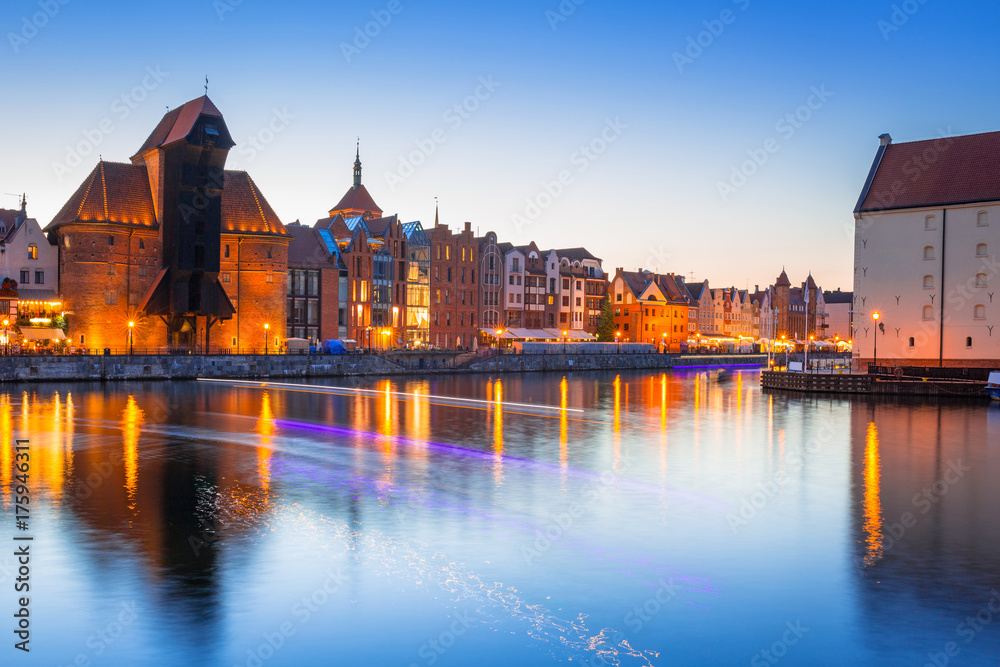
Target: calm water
[589,519]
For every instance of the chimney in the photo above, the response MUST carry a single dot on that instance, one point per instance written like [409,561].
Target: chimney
[884,139]
[468,227]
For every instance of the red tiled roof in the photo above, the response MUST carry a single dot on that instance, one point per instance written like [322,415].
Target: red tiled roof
[357,199]
[954,170]
[244,209]
[178,123]
[114,193]
[783,280]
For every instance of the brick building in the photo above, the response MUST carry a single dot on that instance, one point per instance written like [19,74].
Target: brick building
[454,302]
[189,253]
[317,285]
[650,308]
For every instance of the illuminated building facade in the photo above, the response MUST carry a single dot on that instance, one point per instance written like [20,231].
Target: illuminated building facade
[454,292]
[188,252]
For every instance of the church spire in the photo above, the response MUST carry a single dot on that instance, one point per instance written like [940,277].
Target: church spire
[357,165]
[437,219]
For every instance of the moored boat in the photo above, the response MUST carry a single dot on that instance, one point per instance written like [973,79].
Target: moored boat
[993,388]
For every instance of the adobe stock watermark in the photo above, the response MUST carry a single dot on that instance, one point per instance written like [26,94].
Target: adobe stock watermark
[302,611]
[121,108]
[923,502]
[255,143]
[786,127]
[899,17]
[432,650]
[105,638]
[32,25]
[581,160]
[699,43]
[562,13]
[454,118]
[364,35]
[967,630]
[561,523]
[223,7]
[779,649]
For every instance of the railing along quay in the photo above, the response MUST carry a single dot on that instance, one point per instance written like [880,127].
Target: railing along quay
[879,385]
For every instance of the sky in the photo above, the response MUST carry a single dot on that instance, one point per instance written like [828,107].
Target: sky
[723,139]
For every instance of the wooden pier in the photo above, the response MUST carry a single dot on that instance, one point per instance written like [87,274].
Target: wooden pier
[818,383]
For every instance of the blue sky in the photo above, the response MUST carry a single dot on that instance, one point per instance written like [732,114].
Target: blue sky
[590,94]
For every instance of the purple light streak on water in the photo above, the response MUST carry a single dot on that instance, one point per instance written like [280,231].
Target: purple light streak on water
[527,463]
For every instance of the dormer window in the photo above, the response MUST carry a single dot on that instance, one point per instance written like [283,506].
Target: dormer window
[211,129]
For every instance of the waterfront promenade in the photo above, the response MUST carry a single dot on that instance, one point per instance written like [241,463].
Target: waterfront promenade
[187,367]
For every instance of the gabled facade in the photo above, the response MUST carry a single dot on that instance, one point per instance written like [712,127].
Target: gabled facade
[27,258]
[190,253]
[927,230]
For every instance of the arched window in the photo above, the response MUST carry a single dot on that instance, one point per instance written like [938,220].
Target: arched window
[928,312]
[979,312]
[981,250]
[913,342]
[980,280]
[930,223]
[968,342]
[929,252]
[983,219]
[928,282]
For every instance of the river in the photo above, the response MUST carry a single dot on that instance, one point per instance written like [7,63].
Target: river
[585,519]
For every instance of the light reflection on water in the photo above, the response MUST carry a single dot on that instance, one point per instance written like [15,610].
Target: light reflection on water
[515,531]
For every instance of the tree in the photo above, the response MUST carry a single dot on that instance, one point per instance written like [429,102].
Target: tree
[606,325]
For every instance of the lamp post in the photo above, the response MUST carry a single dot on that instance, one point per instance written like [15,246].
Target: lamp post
[877,316]
[564,333]
[6,337]
[785,345]
[808,344]
[266,328]
[130,327]
[618,339]
[663,345]
[499,333]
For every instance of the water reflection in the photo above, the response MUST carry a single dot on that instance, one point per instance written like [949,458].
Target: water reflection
[872,504]
[216,506]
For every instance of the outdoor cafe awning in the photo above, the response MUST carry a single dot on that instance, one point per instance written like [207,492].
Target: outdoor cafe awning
[572,334]
[39,333]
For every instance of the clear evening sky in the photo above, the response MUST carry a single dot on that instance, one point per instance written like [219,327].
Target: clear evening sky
[664,119]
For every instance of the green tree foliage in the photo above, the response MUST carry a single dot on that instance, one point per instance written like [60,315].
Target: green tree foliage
[606,325]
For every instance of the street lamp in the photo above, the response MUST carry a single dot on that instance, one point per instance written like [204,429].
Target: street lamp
[664,344]
[876,316]
[499,333]
[266,328]
[808,344]
[618,339]
[130,326]
[564,333]
[6,337]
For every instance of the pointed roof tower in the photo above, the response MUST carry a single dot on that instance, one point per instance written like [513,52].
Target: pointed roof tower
[783,280]
[357,201]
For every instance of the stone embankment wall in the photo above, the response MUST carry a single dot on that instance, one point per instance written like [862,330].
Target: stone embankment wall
[186,367]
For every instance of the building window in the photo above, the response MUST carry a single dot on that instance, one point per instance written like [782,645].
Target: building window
[32,251]
[25,277]
[39,277]
[980,312]
[968,341]
[983,220]
[981,250]
[269,253]
[928,313]
[913,343]
[111,240]
[226,254]
[929,252]
[226,277]
[111,298]
[930,223]
[233,343]
[142,271]
[66,240]
[270,278]
[133,298]
[111,269]
[142,244]
[928,282]
[980,280]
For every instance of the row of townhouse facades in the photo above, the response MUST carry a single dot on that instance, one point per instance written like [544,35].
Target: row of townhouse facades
[174,251]
[675,314]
